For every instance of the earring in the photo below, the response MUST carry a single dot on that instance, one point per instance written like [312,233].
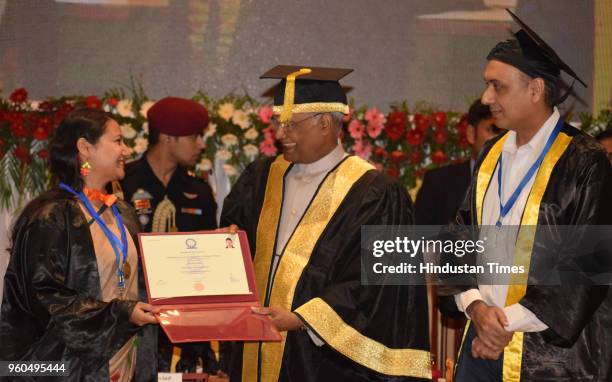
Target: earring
[85,169]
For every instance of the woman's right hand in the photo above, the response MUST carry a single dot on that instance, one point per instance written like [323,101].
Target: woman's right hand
[143,314]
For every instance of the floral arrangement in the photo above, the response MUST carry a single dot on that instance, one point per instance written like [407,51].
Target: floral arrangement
[403,143]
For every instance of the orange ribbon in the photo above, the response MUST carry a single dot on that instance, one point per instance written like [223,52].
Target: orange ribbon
[96,195]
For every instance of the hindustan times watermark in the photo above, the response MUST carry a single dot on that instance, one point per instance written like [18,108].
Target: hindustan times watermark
[462,255]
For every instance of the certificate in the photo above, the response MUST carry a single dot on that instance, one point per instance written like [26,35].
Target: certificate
[194,264]
[204,287]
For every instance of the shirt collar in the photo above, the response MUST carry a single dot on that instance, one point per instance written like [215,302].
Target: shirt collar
[538,141]
[322,165]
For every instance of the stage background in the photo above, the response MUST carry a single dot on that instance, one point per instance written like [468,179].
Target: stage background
[400,49]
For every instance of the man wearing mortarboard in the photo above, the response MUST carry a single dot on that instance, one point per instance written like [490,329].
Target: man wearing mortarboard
[303,212]
[542,173]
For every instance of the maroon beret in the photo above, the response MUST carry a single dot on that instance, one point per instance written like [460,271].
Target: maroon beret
[177,117]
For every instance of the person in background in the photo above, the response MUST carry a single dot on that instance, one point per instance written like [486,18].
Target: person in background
[168,198]
[73,289]
[444,188]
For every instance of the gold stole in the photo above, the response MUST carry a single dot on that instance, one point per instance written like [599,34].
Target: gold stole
[513,353]
[297,252]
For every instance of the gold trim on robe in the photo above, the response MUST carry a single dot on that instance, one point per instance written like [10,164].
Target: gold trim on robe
[297,252]
[363,350]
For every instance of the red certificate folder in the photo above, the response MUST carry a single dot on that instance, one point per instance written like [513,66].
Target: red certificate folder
[213,317]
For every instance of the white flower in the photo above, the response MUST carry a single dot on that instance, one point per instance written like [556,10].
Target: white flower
[251,134]
[124,108]
[107,108]
[144,108]
[127,131]
[226,111]
[145,127]
[250,151]
[140,145]
[241,119]
[34,105]
[229,169]
[210,131]
[205,164]
[229,140]
[223,154]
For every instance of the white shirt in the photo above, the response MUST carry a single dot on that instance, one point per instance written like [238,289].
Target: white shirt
[301,184]
[516,161]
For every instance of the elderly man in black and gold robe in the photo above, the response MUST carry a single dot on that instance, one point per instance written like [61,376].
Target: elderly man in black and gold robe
[303,212]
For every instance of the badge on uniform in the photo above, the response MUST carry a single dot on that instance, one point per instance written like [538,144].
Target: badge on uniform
[142,203]
[192,211]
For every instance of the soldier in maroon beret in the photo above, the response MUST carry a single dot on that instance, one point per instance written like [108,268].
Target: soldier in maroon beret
[167,197]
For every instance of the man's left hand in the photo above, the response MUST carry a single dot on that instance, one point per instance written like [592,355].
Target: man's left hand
[282,319]
[480,350]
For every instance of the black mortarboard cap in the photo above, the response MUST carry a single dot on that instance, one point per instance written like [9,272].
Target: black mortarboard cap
[308,90]
[532,55]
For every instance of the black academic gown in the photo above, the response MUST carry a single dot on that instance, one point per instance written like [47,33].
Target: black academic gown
[576,190]
[371,333]
[52,307]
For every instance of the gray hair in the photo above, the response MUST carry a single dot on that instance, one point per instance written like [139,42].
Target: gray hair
[337,119]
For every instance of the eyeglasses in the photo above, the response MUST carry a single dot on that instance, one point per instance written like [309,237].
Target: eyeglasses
[289,126]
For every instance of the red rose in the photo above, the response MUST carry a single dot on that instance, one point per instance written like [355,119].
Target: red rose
[393,172]
[45,106]
[380,151]
[15,117]
[462,128]
[439,119]
[398,156]
[420,173]
[66,108]
[394,132]
[22,153]
[112,101]
[43,154]
[93,102]
[19,130]
[463,143]
[19,95]
[415,137]
[438,157]
[397,118]
[416,157]
[41,132]
[421,122]
[440,137]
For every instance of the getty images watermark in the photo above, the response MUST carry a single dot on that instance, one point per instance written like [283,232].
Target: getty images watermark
[460,255]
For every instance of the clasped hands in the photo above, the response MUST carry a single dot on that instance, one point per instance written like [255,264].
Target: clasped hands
[491,337]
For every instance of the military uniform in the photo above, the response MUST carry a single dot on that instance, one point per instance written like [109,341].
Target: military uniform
[185,204]
[192,197]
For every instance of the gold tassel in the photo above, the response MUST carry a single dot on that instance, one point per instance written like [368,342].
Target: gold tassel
[289,98]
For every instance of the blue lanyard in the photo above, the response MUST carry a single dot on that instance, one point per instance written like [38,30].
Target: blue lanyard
[504,209]
[114,241]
